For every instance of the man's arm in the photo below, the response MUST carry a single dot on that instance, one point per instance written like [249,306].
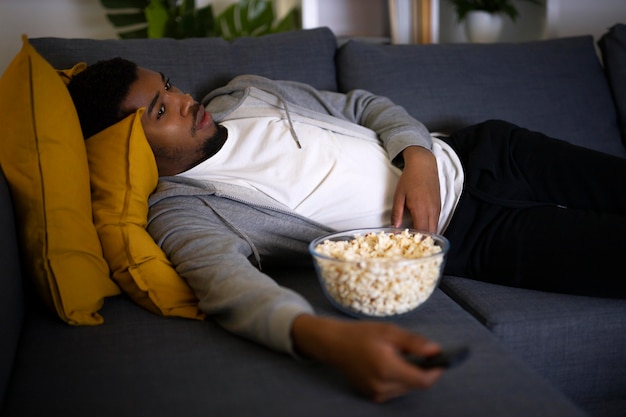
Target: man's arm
[250,304]
[206,242]
[408,144]
[400,134]
[395,127]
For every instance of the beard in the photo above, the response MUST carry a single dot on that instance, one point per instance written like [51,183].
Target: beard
[175,159]
[214,143]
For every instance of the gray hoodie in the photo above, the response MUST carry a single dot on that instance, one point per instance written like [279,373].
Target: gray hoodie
[220,236]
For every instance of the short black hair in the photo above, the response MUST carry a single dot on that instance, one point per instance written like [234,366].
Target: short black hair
[98,93]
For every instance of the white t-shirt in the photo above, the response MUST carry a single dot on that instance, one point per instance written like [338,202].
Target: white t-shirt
[336,179]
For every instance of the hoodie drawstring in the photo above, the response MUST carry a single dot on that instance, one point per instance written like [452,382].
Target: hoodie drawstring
[294,135]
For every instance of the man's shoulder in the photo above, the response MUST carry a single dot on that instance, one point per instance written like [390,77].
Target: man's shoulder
[173,189]
[176,186]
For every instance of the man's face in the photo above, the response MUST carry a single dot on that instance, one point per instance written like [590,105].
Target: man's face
[177,127]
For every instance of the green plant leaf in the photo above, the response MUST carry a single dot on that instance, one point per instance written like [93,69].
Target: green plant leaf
[126,19]
[181,19]
[186,21]
[186,25]
[291,21]
[511,11]
[158,18]
[246,18]
[205,22]
[187,7]
[124,4]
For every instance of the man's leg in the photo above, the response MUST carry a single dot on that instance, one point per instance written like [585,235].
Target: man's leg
[517,167]
[554,249]
[512,226]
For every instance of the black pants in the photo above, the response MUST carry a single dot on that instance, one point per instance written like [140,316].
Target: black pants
[538,213]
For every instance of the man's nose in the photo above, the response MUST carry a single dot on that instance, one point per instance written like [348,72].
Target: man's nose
[187,103]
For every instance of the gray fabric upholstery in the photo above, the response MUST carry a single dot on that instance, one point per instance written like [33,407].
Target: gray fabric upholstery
[11,300]
[138,364]
[613,48]
[562,336]
[556,86]
[197,66]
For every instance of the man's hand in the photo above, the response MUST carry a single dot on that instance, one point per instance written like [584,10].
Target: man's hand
[369,354]
[418,190]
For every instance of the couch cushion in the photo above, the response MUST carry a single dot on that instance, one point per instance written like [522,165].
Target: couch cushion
[200,65]
[123,175]
[613,48]
[43,157]
[139,364]
[576,342]
[554,86]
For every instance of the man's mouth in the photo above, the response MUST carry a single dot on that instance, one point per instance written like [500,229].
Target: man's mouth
[202,119]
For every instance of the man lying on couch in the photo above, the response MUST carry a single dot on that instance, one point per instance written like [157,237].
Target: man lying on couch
[262,167]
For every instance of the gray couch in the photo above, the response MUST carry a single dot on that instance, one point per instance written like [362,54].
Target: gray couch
[533,353]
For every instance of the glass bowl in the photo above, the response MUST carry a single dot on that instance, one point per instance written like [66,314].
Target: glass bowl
[379,272]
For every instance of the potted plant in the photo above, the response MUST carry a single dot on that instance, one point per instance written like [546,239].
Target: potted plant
[182,19]
[484,18]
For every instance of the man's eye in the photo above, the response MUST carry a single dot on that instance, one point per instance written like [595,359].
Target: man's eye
[161,112]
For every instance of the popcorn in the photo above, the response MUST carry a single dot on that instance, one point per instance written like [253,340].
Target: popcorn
[380,274]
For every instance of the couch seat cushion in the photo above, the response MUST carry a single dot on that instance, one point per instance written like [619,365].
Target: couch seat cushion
[138,363]
[576,342]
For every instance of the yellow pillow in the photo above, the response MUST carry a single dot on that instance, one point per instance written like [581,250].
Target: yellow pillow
[43,156]
[123,175]
[67,74]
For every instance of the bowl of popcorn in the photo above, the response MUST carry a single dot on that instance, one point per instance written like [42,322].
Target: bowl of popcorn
[382,272]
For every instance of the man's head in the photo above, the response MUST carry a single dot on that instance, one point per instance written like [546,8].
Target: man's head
[99,91]
[179,131]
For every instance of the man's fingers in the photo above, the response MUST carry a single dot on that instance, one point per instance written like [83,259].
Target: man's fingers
[409,379]
[397,211]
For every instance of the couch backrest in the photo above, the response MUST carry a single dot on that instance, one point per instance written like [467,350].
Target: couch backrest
[11,297]
[199,65]
[555,86]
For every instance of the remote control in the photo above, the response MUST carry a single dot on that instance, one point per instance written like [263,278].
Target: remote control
[448,358]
